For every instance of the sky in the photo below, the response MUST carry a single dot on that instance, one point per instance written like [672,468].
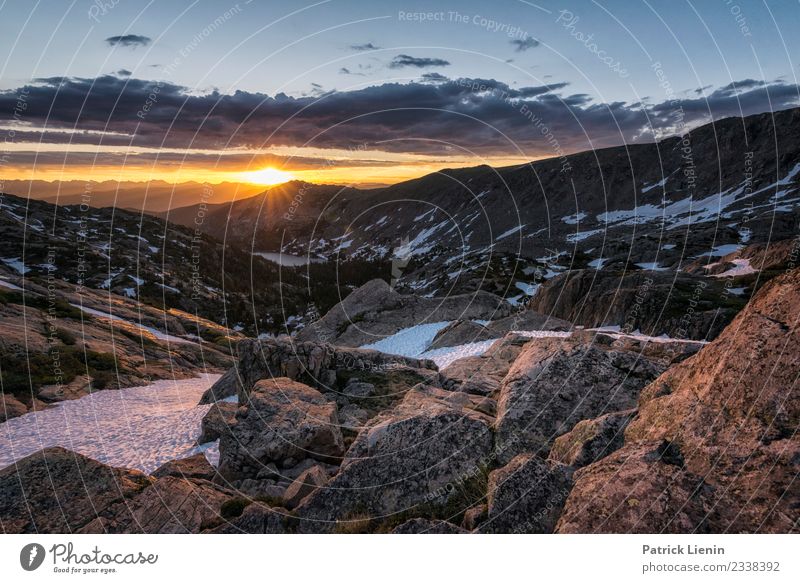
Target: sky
[369,93]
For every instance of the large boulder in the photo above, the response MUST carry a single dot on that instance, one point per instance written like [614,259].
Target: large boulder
[59,491]
[526,496]
[592,439]
[643,488]
[171,505]
[729,416]
[220,416]
[375,311]
[282,422]
[320,365]
[555,383]
[461,332]
[427,455]
[195,466]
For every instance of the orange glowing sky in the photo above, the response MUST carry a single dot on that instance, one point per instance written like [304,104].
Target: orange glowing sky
[330,166]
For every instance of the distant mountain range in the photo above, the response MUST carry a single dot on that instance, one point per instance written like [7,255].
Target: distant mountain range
[154,196]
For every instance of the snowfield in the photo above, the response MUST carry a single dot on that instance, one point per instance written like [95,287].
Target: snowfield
[741,267]
[138,427]
[411,341]
[414,342]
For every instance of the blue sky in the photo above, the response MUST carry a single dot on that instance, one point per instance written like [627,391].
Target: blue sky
[596,53]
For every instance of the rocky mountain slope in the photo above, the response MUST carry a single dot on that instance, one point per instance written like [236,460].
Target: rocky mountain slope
[647,207]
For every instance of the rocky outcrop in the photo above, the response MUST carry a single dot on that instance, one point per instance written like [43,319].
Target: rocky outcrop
[643,488]
[426,455]
[171,505]
[555,383]
[526,496]
[375,311]
[316,364]
[58,491]
[196,466]
[281,422]
[655,302]
[461,332]
[592,439]
[715,445]
[217,421]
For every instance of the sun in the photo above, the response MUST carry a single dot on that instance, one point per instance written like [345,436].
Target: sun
[267,176]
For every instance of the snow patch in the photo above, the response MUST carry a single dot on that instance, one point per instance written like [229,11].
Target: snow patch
[137,427]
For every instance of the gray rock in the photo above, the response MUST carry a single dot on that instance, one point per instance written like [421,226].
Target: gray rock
[461,332]
[526,496]
[217,421]
[282,422]
[171,505]
[656,302]
[59,491]
[375,311]
[313,478]
[592,439]
[430,449]
[555,383]
[196,466]
[319,365]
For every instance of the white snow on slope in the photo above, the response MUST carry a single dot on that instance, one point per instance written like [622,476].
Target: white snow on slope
[411,341]
[509,232]
[742,267]
[651,266]
[17,265]
[444,356]
[138,427]
[598,263]
[574,219]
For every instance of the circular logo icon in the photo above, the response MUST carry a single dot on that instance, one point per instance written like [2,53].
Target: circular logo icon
[31,556]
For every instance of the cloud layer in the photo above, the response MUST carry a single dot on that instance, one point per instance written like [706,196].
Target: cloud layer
[431,116]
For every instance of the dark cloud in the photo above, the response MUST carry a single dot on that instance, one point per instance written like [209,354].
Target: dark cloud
[365,47]
[129,40]
[486,116]
[420,62]
[434,78]
[124,73]
[522,45]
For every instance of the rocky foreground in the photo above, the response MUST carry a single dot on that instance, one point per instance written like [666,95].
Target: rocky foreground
[588,432]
